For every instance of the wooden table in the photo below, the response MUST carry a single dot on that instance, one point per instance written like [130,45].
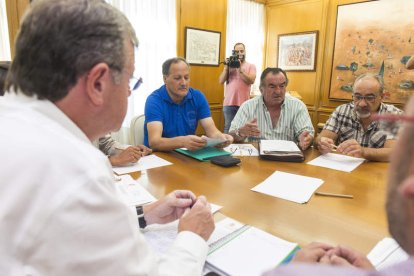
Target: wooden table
[359,222]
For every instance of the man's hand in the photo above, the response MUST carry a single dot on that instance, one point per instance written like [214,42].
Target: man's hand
[169,208]
[193,142]
[144,150]
[250,129]
[325,145]
[343,256]
[305,140]
[227,137]
[351,147]
[312,253]
[198,219]
[129,155]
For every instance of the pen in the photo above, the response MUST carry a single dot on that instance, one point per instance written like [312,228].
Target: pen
[333,195]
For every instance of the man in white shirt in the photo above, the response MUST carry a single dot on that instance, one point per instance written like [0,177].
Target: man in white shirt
[59,211]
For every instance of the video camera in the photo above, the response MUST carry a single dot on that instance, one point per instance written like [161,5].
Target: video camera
[233,61]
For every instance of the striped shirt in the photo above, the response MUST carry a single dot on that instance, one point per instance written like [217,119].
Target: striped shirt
[294,119]
[346,124]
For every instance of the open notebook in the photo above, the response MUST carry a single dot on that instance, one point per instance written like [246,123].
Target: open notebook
[246,250]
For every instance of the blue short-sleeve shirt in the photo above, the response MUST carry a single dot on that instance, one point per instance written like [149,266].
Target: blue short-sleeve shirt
[177,119]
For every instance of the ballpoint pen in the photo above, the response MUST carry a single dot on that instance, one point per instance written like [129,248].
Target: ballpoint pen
[333,195]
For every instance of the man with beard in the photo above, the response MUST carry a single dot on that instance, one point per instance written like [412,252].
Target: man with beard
[352,126]
[238,83]
[273,115]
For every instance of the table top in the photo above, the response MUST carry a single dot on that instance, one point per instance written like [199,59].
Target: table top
[359,222]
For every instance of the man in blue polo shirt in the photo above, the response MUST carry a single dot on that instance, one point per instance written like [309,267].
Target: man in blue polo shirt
[173,111]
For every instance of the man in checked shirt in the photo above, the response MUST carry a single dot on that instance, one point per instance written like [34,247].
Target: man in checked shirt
[351,128]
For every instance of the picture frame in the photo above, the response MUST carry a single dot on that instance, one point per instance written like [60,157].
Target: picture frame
[202,47]
[362,45]
[297,51]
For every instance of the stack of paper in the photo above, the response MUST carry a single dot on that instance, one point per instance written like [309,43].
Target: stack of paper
[132,192]
[247,251]
[280,150]
[296,188]
[271,146]
[387,252]
[161,236]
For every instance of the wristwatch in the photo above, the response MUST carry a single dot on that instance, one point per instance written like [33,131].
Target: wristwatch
[141,219]
[238,133]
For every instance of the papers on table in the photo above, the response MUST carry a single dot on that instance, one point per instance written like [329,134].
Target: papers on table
[337,162]
[132,192]
[242,150]
[234,247]
[296,188]
[211,142]
[246,250]
[144,163]
[271,146]
[387,252]
[161,236]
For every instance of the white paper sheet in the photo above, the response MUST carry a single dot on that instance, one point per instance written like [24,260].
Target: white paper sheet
[211,142]
[337,162]
[242,150]
[162,236]
[267,146]
[250,253]
[296,188]
[387,252]
[144,163]
[132,192]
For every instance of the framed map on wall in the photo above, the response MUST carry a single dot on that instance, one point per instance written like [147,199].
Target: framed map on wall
[375,37]
[297,51]
[202,47]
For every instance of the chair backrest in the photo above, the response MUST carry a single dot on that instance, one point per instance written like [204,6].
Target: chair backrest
[137,130]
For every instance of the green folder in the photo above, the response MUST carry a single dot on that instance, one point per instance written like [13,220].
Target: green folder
[204,154]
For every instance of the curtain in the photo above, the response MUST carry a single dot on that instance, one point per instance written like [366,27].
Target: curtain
[245,23]
[4,33]
[154,22]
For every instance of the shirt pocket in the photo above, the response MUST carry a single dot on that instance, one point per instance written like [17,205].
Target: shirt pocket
[346,133]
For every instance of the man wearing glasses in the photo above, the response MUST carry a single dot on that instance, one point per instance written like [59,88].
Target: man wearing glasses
[352,126]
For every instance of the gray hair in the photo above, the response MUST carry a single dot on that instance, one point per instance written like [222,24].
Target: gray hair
[378,78]
[167,64]
[61,40]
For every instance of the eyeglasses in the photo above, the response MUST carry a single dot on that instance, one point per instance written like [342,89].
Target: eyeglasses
[135,83]
[370,98]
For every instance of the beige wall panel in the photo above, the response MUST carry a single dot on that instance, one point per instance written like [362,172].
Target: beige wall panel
[290,17]
[15,12]
[208,15]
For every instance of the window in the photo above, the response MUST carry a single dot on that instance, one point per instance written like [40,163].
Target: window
[245,23]
[4,33]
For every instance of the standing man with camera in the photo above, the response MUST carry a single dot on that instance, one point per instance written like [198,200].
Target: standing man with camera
[239,76]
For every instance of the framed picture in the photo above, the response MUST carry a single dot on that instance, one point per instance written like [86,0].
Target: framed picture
[297,51]
[363,44]
[202,47]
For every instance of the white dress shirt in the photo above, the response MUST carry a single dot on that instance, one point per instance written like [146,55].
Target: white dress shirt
[59,211]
